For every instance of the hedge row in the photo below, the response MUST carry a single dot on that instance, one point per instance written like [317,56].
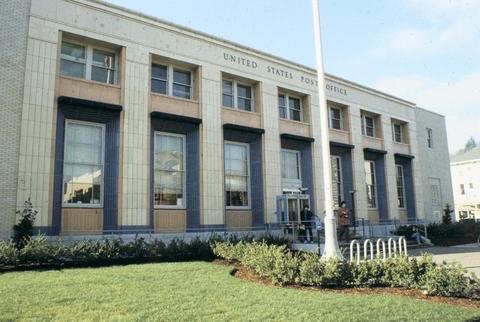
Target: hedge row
[462,232]
[281,266]
[38,252]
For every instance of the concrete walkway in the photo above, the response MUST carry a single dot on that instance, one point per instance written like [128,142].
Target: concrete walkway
[467,255]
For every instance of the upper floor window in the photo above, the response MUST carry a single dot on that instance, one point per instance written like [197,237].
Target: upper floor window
[172,80]
[83,164]
[290,107]
[368,125]
[462,189]
[397,132]
[169,170]
[400,186]
[371,184]
[237,175]
[88,62]
[335,118]
[237,95]
[429,138]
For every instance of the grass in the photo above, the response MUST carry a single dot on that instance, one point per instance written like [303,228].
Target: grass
[193,291]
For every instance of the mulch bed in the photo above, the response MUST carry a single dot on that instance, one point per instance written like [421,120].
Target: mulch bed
[246,274]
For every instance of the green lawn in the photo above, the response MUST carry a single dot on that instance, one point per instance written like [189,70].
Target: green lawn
[192,291]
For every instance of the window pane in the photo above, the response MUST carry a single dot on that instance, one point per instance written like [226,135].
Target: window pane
[159,86]
[181,91]
[73,51]
[72,69]
[169,152]
[227,87]
[181,77]
[227,100]
[244,104]
[83,167]
[244,91]
[290,165]
[159,71]
[336,124]
[282,112]
[103,75]
[295,115]
[236,175]
[169,183]
[294,103]
[103,59]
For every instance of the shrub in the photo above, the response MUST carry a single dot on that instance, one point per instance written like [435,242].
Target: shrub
[282,266]
[38,252]
[23,230]
[451,280]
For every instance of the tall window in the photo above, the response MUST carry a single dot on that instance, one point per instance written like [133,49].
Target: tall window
[368,126]
[290,107]
[335,118]
[85,61]
[83,164]
[429,138]
[337,180]
[371,183]
[237,95]
[237,180]
[400,186]
[169,170]
[291,172]
[462,189]
[172,80]
[397,131]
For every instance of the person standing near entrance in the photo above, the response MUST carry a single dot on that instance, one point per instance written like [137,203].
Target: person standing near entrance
[307,218]
[343,214]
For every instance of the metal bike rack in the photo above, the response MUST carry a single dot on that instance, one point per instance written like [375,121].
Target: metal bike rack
[354,243]
[365,249]
[383,251]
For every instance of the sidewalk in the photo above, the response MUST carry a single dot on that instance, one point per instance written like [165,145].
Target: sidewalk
[467,255]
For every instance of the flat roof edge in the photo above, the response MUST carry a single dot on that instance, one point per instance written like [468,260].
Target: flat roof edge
[278,59]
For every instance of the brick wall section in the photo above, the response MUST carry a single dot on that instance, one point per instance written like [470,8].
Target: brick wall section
[14,15]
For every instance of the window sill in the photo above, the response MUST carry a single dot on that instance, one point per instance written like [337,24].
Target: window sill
[233,109]
[169,208]
[339,131]
[237,208]
[89,81]
[175,97]
[372,137]
[293,121]
[84,206]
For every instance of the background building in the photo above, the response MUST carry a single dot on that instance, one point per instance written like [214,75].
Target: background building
[465,166]
[116,121]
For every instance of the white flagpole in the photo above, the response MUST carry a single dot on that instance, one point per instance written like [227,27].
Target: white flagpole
[331,249]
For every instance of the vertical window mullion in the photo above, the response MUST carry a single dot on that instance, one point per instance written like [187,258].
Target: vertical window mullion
[88,60]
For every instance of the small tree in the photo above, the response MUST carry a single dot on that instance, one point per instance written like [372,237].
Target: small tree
[23,231]
[447,218]
[471,144]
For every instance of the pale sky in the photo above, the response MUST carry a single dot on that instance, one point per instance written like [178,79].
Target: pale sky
[425,51]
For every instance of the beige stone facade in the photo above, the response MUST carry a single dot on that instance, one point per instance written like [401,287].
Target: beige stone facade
[138,40]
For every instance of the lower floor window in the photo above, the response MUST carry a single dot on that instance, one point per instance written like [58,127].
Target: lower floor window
[83,163]
[237,180]
[337,182]
[400,187]
[169,170]
[371,184]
